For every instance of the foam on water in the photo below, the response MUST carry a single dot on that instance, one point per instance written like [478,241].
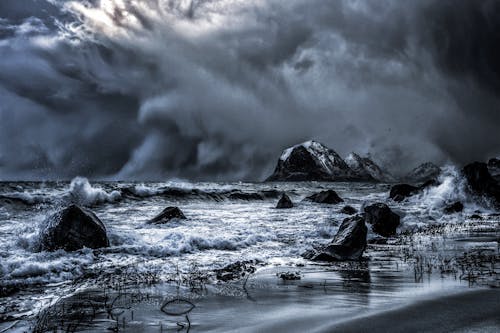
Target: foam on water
[82,193]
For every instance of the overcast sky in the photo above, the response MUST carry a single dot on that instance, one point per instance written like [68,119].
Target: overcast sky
[216,89]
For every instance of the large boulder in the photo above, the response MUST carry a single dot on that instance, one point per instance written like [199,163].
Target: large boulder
[400,192]
[481,182]
[311,161]
[167,215]
[423,173]
[365,169]
[326,197]
[348,244]
[382,219]
[284,202]
[71,229]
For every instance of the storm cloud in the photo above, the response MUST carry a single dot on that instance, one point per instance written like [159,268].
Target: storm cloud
[215,89]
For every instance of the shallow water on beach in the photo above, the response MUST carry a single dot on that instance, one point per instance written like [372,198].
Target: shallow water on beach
[226,223]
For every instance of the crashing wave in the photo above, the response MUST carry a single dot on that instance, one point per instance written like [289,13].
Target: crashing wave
[82,193]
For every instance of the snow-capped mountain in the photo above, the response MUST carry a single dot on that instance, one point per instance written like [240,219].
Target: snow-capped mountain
[423,172]
[311,160]
[366,169]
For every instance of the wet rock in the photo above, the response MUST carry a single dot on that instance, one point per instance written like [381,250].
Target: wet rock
[326,197]
[236,270]
[382,219]
[238,195]
[289,276]
[167,215]
[481,182]
[348,210]
[71,229]
[311,161]
[348,244]
[284,202]
[400,192]
[455,207]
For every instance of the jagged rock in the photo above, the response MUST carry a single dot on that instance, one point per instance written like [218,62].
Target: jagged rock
[481,182]
[382,219]
[423,172]
[284,202]
[311,161]
[455,207]
[167,215]
[365,169]
[289,276]
[326,197]
[236,270]
[400,192]
[71,229]
[348,244]
[348,210]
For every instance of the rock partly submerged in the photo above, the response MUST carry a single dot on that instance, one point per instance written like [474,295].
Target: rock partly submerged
[284,202]
[71,229]
[167,215]
[348,244]
[481,182]
[382,219]
[325,197]
[400,192]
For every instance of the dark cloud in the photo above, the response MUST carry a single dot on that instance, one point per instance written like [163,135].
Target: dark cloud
[216,89]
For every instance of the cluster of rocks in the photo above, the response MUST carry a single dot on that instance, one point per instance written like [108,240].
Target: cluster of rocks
[351,239]
[74,228]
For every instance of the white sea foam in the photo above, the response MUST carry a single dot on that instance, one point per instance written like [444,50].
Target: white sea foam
[82,193]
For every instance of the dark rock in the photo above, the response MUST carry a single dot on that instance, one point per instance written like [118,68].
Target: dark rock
[423,173]
[311,161]
[400,192]
[237,195]
[456,207]
[167,215]
[284,202]
[348,210]
[481,182]
[383,220]
[326,197]
[476,217]
[71,229]
[236,270]
[289,276]
[348,244]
